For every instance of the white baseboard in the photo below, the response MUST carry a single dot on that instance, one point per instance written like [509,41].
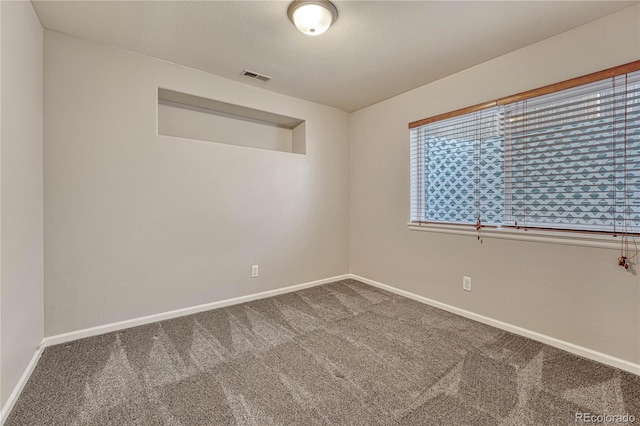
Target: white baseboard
[107,328]
[8,406]
[551,341]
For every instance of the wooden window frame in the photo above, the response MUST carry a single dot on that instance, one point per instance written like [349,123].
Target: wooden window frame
[556,87]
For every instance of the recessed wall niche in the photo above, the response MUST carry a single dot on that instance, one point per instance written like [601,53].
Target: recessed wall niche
[187,116]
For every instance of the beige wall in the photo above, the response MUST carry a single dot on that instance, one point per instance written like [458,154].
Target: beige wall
[575,294]
[139,224]
[21,248]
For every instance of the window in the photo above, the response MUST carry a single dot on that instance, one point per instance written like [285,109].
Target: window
[563,157]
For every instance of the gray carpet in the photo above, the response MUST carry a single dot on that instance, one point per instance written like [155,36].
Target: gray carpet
[343,353]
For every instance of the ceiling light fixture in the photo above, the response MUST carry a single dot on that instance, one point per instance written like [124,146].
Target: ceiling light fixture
[312,17]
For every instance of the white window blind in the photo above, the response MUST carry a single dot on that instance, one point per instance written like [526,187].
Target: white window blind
[572,158]
[457,171]
[566,160]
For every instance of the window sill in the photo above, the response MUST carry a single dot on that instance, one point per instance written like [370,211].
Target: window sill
[549,237]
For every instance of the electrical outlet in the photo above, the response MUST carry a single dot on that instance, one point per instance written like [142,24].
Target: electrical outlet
[466,283]
[254,271]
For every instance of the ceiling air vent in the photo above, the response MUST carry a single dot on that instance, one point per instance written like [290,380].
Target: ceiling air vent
[257,76]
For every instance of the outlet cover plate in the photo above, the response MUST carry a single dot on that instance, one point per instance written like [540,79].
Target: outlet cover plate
[466,283]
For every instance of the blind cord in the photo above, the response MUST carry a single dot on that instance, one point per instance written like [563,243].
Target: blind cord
[626,253]
[478,161]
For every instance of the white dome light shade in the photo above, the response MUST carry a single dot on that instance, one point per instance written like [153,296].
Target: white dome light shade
[312,17]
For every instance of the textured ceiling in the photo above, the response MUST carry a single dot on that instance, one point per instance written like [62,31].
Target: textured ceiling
[376,49]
